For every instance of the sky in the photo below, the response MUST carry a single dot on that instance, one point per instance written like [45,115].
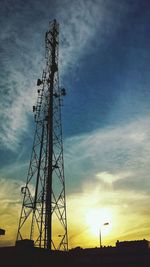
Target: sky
[104,64]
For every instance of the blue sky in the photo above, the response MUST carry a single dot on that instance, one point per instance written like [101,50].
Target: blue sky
[104,64]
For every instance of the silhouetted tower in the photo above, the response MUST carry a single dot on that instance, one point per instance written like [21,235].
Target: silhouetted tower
[43,215]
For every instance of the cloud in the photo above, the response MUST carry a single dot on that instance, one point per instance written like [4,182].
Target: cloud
[111,182]
[14,115]
[126,212]
[138,181]
[109,168]
[82,24]
[18,95]
[10,207]
[120,152]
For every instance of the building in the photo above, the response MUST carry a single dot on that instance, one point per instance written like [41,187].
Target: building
[134,244]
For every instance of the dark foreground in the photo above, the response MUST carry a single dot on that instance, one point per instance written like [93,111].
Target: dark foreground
[105,257]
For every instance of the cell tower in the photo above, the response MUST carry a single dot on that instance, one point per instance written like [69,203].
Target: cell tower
[43,214]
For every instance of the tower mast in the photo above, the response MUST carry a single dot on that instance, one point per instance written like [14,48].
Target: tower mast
[43,214]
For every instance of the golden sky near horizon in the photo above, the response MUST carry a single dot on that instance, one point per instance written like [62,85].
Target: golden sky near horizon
[87,211]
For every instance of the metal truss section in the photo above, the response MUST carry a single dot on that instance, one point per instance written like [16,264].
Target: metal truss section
[43,214]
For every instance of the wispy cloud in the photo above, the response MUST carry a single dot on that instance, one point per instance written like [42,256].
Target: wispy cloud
[121,152]
[86,25]
[23,54]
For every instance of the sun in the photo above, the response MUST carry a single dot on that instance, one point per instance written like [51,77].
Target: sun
[97,219]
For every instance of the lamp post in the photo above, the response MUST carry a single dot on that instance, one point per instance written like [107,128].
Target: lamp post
[100,234]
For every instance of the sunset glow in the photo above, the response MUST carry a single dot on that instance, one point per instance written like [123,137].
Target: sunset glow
[96,219]
[104,63]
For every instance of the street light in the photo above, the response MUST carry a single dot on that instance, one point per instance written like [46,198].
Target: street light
[100,234]
[62,240]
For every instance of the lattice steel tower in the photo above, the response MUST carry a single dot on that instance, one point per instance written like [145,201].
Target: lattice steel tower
[43,214]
